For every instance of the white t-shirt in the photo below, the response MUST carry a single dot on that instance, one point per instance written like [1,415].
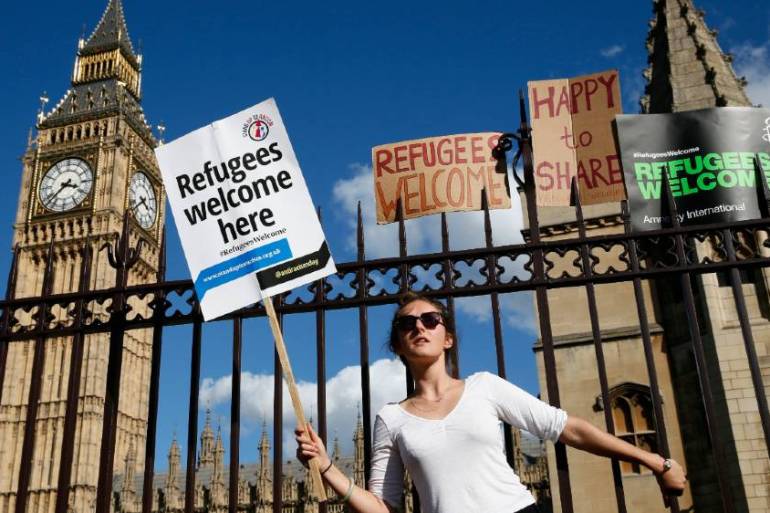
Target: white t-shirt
[458,463]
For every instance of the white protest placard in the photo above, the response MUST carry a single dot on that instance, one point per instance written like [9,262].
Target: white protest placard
[248,226]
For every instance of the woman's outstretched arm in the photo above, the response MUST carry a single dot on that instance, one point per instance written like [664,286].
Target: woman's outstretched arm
[583,435]
[310,445]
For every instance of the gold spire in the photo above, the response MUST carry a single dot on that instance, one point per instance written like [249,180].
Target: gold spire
[110,33]
[108,53]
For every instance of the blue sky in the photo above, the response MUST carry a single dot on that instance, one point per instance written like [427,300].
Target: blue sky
[347,76]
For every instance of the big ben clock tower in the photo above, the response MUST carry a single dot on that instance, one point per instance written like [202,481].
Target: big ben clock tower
[90,163]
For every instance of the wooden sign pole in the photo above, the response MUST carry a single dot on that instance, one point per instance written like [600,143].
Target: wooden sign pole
[315,474]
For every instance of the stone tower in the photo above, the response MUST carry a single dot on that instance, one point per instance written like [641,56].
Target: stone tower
[128,492]
[336,452]
[358,455]
[264,482]
[687,70]
[219,492]
[89,166]
[206,456]
[172,492]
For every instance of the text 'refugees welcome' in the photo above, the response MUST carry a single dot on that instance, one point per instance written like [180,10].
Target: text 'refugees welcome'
[437,174]
[239,170]
[700,173]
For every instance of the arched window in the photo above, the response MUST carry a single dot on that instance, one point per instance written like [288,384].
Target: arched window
[632,415]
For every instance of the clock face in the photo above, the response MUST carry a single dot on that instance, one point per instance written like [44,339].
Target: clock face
[65,185]
[141,200]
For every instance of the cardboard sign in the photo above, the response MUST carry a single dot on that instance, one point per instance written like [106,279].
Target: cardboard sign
[437,174]
[248,227]
[572,136]
[708,157]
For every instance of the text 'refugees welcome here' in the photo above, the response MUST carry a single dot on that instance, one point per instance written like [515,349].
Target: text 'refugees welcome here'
[244,171]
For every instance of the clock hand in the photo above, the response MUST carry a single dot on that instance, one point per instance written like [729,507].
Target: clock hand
[143,202]
[68,183]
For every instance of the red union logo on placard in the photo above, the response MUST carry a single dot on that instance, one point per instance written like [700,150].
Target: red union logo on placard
[257,127]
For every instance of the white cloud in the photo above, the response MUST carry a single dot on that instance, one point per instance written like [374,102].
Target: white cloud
[343,397]
[611,51]
[466,230]
[753,62]
[518,310]
[380,240]
[726,24]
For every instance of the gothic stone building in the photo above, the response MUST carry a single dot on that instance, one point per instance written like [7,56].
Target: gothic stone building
[255,488]
[90,167]
[212,478]
[687,70]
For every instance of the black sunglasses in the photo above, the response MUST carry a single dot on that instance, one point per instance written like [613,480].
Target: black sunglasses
[409,322]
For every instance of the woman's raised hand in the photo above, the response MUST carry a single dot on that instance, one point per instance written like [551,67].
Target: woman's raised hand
[309,446]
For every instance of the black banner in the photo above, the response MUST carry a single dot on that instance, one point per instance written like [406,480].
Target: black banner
[295,268]
[708,156]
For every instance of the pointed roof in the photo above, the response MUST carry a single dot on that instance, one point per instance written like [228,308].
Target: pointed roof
[129,468]
[264,442]
[687,68]
[131,453]
[110,33]
[86,101]
[359,431]
[336,452]
[207,432]
[220,446]
[174,449]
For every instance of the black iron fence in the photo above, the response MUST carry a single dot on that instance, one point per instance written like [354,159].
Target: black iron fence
[668,253]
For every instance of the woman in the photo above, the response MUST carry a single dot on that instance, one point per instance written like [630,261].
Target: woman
[447,432]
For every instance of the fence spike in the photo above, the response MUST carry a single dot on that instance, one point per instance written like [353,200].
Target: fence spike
[48,275]
[162,257]
[522,111]
[360,243]
[444,233]
[487,219]
[763,190]
[12,273]
[401,227]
